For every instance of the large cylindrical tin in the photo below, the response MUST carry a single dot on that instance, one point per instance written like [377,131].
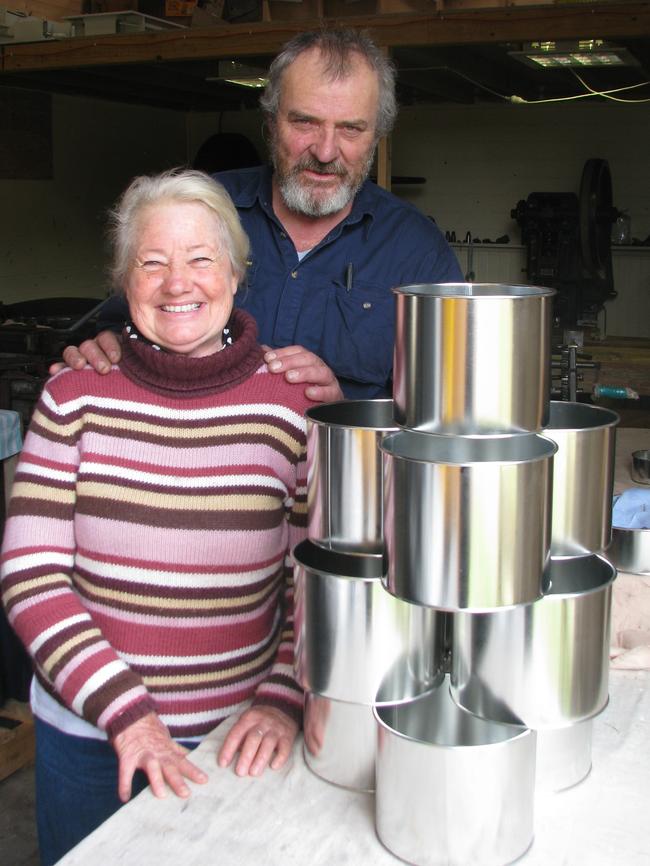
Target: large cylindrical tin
[583,477]
[472,358]
[345,475]
[467,521]
[340,742]
[452,788]
[563,756]
[353,640]
[546,664]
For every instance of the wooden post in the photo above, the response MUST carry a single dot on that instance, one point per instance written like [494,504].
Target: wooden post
[383,152]
[384,163]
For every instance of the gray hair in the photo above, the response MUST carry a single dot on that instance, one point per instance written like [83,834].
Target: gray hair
[175,185]
[337,48]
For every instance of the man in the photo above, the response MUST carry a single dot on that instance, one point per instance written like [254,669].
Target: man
[327,244]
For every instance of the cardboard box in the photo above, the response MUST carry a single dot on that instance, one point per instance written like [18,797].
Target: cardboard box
[17,743]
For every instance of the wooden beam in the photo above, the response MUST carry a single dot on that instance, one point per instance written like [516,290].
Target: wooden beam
[465,27]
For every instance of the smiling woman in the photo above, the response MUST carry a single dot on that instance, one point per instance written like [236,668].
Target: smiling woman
[146,561]
[181,287]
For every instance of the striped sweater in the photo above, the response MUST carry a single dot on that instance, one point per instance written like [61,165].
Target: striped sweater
[146,557]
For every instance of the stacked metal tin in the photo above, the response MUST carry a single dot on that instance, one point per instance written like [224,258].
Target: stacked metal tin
[356,646]
[495,502]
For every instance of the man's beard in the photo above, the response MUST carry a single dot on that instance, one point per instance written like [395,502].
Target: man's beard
[300,197]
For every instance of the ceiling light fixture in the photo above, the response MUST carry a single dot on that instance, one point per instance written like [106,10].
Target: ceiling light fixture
[581,53]
[237,73]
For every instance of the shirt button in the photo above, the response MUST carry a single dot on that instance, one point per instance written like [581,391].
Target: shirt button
[367,305]
[294,274]
[283,235]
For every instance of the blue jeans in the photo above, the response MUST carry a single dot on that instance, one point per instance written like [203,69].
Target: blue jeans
[76,789]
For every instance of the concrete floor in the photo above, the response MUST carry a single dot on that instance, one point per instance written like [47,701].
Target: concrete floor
[18,843]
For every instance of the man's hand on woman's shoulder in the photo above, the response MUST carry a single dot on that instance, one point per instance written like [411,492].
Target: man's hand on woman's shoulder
[100,353]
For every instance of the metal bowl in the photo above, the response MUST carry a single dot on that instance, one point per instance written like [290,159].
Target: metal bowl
[630,550]
[641,466]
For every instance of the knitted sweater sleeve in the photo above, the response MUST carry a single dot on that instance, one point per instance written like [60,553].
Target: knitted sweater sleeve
[281,689]
[38,579]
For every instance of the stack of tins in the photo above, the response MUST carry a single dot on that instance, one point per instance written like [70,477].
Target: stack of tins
[496,503]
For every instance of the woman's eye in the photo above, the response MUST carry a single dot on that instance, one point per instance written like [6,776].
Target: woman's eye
[201,262]
[152,266]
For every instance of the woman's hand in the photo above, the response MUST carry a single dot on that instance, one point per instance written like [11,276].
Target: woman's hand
[100,353]
[263,736]
[300,365]
[146,745]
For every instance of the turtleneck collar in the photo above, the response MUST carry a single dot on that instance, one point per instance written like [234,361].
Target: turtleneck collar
[174,375]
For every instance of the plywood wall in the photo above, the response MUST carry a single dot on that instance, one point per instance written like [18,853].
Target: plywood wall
[52,10]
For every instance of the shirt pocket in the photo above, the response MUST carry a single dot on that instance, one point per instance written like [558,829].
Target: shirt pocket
[360,332]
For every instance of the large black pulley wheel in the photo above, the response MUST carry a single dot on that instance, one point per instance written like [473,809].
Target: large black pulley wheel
[596,218]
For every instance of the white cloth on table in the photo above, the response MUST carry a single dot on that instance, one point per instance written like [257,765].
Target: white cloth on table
[632,509]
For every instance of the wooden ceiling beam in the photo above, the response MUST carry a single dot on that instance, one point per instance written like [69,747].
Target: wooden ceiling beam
[465,27]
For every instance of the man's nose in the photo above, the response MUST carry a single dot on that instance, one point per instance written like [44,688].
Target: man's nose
[325,148]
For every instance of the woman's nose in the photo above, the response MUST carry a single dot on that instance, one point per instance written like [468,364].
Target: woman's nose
[178,277]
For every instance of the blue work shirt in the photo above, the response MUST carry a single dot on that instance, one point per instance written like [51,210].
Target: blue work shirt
[337,301]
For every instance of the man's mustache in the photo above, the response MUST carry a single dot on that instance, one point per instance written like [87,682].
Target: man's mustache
[312,164]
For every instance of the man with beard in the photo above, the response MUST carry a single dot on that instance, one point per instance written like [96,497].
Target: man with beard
[327,244]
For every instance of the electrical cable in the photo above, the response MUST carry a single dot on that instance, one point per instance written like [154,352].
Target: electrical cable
[606,93]
[520,100]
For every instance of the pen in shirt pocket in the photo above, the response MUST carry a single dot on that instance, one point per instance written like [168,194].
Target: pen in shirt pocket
[348,277]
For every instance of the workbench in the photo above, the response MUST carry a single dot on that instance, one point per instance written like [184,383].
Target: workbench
[292,817]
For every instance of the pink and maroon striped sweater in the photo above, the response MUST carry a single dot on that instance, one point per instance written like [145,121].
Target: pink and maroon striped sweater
[146,558]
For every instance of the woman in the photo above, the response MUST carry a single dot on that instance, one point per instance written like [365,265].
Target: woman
[146,559]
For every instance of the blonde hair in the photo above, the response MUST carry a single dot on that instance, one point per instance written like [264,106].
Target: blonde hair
[175,185]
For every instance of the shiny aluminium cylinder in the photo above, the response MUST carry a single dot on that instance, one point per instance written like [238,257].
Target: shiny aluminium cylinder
[452,788]
[472,358]
[583,477]
[340,740]
[345,474]
[545,664]
[467,520]
[354,641]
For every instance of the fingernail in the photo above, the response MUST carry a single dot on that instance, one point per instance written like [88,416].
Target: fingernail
[292,374]
[275,366]
[270,356]
[311,392]
[104,368]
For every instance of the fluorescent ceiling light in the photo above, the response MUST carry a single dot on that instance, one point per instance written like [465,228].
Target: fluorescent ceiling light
[581,53]
[238,73]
